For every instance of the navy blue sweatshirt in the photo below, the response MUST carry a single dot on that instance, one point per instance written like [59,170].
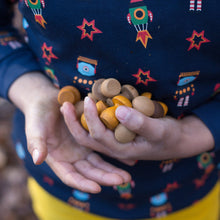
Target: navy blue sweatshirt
[170,49]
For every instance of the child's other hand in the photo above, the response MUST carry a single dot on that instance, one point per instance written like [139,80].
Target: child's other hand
[79,167]
[157,139]
[49,139]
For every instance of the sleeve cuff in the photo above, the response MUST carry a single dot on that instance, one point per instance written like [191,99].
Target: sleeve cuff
[209,113]
[15,65]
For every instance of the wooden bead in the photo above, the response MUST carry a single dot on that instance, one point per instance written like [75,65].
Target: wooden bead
[144,105]
[110,87]
[123,134]
[149,107]
[129,92]
[106,88]
[159,111]
[68,94]
[147,94]
[83,122]
[92,97]
[165,108]
[101,106]
[96,90]
[109,119]
[108,115]
[79,107]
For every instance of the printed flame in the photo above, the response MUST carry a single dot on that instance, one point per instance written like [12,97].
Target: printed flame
[40,20]
[143,36]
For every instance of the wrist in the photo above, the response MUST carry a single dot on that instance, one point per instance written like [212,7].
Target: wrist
[196,137]
[30,89]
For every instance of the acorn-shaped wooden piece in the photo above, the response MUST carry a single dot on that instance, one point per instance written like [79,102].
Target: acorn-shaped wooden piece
[123,134]
[68,94]
[101,106]
[129,91]
[144,105]
[106,88]
[79,108]
[149,107]
[108,115]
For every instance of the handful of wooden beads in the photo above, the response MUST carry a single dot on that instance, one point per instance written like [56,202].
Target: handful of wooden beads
[108,95]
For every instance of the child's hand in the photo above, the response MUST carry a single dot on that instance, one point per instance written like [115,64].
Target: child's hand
[49,139]
[158,139]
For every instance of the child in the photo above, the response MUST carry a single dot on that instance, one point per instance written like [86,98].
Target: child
[169,49]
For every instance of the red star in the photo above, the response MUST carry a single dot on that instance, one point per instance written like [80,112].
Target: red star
[47,52]
[217,87]
[92,29]
[196,40]
[143,77]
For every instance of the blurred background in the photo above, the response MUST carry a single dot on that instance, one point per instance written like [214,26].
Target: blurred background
[15,203]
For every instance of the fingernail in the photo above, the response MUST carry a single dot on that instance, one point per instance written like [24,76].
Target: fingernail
[86,100]
[61,109]
[122,113]
[35,155]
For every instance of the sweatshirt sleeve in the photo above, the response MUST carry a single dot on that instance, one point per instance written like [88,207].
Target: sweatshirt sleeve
[209,113]
[16,58]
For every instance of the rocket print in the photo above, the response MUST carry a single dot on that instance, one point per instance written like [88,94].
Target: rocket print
[186,88]
[197,4]
[36,8]
[138,16]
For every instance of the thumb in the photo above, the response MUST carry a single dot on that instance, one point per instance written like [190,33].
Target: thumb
[150,128]
[36,140]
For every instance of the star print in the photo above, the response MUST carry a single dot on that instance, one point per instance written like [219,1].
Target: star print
[47,53]
[143,77]
[217,87]
[196,40]
[88,29]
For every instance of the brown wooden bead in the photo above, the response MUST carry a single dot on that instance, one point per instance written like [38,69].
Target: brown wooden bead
[129,92]
[144,105]
[110,87]
[96,90]
[92,97]
[106,88]
[165,108]
[79,107]
[123,134]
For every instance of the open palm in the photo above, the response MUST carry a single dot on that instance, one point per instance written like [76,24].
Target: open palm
[49,139]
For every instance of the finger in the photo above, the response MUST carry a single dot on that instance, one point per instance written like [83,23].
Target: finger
[128,162]
[73,124]
[97,174]
[98,162]
[150,128]
[97,129]
[105,136]
[79,133]
[71,177]
[36,139]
